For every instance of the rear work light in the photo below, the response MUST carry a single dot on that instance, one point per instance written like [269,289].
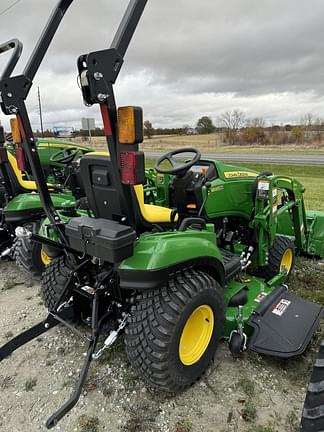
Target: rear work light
[130,125]
[132,168]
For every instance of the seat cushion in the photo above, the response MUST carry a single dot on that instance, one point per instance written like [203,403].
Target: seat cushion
[152,213]
[27,185]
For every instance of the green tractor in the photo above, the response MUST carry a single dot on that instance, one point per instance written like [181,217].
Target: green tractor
[20,203]
[178,258]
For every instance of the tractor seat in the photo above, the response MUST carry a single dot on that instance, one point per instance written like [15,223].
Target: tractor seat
[101,190]
[25,184]
[152,213]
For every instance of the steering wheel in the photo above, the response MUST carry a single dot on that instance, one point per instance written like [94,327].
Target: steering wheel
[64,156]
[177,168]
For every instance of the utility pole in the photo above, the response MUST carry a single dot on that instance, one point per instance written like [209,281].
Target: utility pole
[40,112]
[89,129]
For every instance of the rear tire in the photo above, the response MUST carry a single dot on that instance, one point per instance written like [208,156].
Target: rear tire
[173,333]
[29,255]
[54,279]
[281,255]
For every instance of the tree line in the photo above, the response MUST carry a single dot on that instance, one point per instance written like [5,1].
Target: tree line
[236,129]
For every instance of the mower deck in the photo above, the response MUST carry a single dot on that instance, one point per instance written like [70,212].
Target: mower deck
[283,324]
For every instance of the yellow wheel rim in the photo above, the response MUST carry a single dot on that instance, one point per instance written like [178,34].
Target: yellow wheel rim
[287,261]
[46,260]
[196,335]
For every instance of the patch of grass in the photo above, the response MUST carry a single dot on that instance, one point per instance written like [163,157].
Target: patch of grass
[249,412]
[88,423]
[263,429]
[130,379]
[9,284]
[30,384]
[247,386]
[142,418]
[292,422]
[183,425]
[307,280]
[6,381]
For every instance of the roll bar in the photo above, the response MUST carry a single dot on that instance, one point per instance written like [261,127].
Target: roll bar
[14,90]
[16,46]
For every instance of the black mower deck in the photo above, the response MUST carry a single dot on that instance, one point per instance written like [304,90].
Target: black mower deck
[283,324]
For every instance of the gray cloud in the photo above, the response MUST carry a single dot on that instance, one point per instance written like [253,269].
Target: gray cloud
[187,58]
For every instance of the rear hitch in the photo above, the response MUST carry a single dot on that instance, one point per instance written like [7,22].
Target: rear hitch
[64,311]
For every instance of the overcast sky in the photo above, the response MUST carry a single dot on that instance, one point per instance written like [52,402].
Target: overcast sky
[188,58]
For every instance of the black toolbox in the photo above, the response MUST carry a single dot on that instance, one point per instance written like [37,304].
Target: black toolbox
[101,238]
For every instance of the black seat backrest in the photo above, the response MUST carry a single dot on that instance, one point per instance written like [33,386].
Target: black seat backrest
[14,188]
[100,187]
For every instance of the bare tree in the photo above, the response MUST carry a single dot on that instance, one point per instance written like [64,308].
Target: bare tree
[307,122]
[254,131]
[232,121]
[256,122]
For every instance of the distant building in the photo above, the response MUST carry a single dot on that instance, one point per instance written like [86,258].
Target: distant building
[63,132]
[88,124]
[191,131]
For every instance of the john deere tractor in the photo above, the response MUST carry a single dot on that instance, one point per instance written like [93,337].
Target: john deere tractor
[20,203]
[201,254]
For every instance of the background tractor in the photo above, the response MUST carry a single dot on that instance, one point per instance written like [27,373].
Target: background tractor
[20,203]
[201,254]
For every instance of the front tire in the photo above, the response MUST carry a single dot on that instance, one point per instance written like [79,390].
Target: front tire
[173,333]
[281,257]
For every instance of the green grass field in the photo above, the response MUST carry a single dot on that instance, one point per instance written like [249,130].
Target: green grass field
[215,143]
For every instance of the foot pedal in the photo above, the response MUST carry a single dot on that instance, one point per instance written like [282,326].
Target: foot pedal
[313,411]
[283,324]
[232,264]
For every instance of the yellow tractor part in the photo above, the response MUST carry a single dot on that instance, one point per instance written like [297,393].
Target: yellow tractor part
[46,260]
[287,261]
[196,335]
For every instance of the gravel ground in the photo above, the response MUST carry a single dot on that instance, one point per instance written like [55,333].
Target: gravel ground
[249,394]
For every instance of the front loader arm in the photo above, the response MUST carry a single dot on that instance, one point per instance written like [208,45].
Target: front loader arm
[268,210]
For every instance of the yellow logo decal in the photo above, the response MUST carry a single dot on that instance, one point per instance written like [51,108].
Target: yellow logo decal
[239,174]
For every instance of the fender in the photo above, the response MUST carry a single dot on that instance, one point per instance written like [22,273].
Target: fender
[157,255]
[25,206]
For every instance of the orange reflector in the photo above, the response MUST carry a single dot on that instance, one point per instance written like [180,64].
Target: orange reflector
[130,125]
[191,206]
[16,135]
